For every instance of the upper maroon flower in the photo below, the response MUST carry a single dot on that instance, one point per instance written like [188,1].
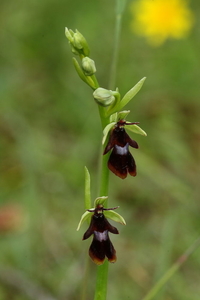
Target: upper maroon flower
[121,161]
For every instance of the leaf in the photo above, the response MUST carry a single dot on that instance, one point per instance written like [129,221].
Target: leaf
[131,93]
[87,189]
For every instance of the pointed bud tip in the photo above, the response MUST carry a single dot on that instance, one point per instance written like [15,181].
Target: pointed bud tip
[68,34]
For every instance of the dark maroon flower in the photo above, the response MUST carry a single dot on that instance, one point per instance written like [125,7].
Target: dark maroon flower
[121,161]
[101,246]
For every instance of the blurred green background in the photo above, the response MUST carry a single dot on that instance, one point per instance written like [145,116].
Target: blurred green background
[50,129]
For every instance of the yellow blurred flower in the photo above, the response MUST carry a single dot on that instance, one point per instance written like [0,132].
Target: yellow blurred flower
[161,19]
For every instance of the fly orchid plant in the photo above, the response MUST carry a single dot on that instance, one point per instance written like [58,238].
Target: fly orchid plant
[116,157]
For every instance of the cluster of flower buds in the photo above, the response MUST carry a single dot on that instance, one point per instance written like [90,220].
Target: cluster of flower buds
[108,99]
[79,46]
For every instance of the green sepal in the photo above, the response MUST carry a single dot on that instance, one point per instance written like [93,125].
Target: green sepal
[122,115]
[107,130]
[111,214]
[131,93]
[113,118]
[84,217]
[135,129]
[100,201]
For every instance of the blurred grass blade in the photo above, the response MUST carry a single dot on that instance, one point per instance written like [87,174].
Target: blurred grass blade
[120,6]
[156,288]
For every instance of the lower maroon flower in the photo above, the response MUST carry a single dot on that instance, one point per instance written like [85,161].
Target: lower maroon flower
[101,246]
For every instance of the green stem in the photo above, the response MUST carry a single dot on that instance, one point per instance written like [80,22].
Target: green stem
[101,283]
[102,271]
[104,176]
[156,288]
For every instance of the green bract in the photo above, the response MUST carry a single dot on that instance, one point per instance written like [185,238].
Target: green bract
[87,189]
[87,79]
[131,93]
[120,103]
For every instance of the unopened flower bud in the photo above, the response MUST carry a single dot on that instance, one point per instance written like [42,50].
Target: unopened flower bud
[103,97]
[88,66]
[80,43]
